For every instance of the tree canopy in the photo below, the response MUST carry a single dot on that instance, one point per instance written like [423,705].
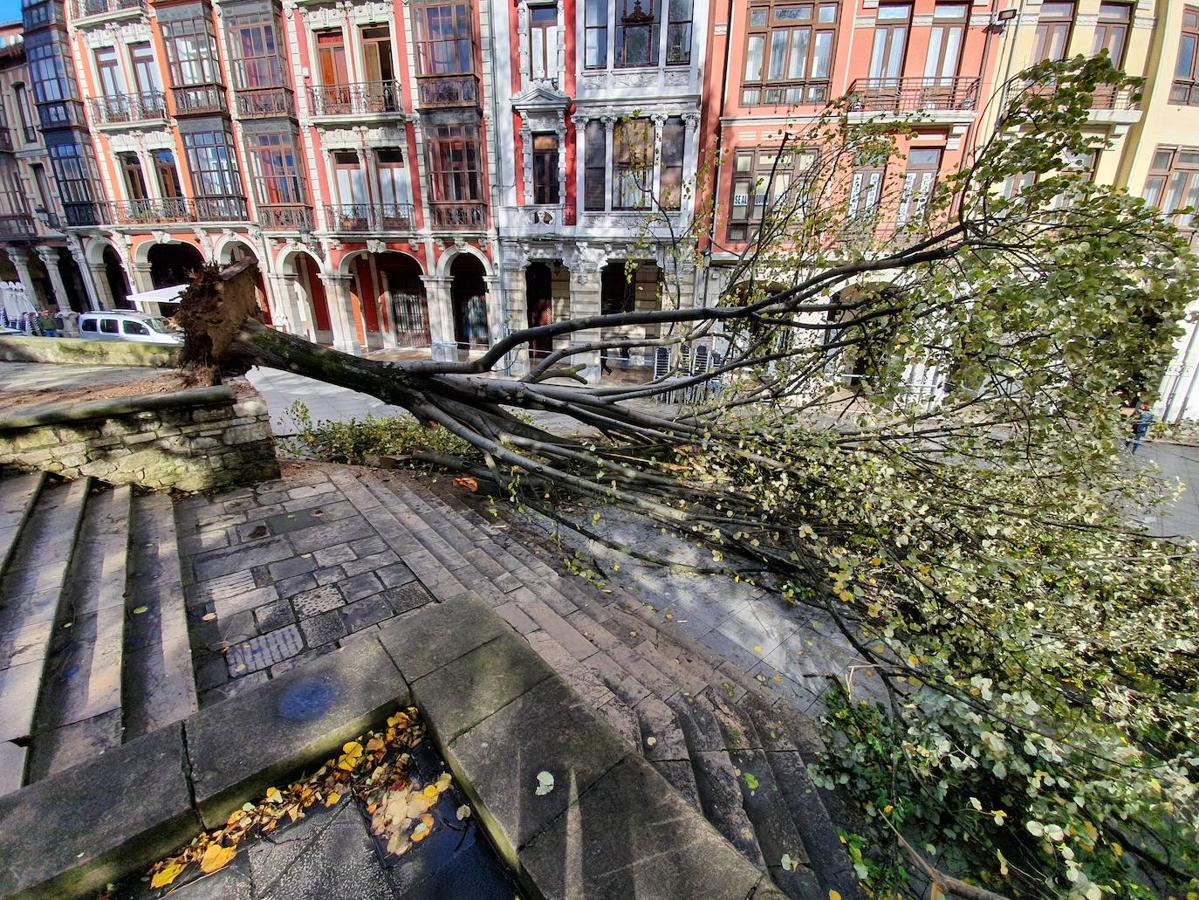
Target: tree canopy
[1031,724]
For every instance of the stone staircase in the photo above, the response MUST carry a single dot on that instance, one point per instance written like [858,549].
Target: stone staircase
[93,637]
[734,751]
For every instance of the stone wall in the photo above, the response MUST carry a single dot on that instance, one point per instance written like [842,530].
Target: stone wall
[189,441]
[24,348]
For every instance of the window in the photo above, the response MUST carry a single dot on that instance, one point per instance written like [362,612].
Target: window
[945,42]
[135,180]
[145,71]
[52,83]
[632,163]
[788,53]
[444,45]
[24,114]
[890,40]
[596,38]
[351,181]
[191,52]
[331,58]
[918,183]
[13,199]
[1111,31]
[214,173]
[167,174]
[130,327]
[1053,31]
[543,43]
[254,53]
[637,34]
[545,168]
[73,169]
[376,56]
[760,179]
[454,163]
[673,138]
[112,83]
[273,170]
[1173,183]
[1186,70]
[865,193]
[393,186]
[108,326]
[595,152]
[87,325]
[678,33]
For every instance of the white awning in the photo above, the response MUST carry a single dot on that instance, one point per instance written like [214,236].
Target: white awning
[160,295]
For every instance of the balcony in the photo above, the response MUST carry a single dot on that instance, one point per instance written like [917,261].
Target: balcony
[124,108]
[265,103]
[369,217]
[1109,97]
[364,98]
[285,218]
[455,216]
[915,95]
[169,210]
[88,213]
[199,100]
[448,90]
[86,9]
[21,225]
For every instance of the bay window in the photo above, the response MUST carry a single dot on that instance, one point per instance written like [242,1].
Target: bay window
[216,182]
[273,171]
[637,34]
[454,165]
[788,53]
[443,34]
[254,52]
[632,163]
[191,52]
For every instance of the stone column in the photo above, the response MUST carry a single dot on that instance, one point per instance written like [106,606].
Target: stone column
[298,301]
[20,261]
[141,278]
[585,301]
[101,290]
[279,298]
[655,174]
[341,314]
[49,257]
[609,149]
[441,317]
[495,310]
[513,274]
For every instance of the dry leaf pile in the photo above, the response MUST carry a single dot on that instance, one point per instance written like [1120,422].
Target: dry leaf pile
[376,769]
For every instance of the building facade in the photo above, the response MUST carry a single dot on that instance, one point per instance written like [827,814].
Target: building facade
[424,176]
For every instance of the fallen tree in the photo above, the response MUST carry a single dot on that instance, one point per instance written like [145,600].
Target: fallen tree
[1035,654]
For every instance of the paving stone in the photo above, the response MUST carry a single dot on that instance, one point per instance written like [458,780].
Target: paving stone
[70,834]
[323,628]
[275,614]
[681,776]
[407,597]
[316,601]
[297,584]
[69,745]
[436,635]
[360,586]
[395,575]
[215,563]
[295,565]
[766,807]
[225,607]
[369,563]
[721,799]
[234,687]
[331,556]
[309,540]
[240,747]
[515,616]
[328,575]
[368,546]
[658,721]
[12,767]
[289,522]
[264,651]
[632,836]
[356,616]
[546,729]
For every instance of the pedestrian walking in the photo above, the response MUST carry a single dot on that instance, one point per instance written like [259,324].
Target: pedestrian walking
[1142,419]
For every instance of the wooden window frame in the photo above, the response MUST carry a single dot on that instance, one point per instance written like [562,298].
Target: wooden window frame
[1051,23]
[763,20]
[545,169]
[595,167]
[1185,89]
[1110,24]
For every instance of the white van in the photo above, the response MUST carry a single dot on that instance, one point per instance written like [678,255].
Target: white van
[127,325]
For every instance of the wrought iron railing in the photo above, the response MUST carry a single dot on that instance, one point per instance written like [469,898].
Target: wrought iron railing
[199,99]
[913,94]
[85,8]
[20,225]
[86,213]
[448,90]
[285,217]
[359,98]
[369,217]
[468,216]
[165,210]
[260,103]
[129,107]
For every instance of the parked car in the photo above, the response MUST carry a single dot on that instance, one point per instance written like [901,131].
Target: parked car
[126,325]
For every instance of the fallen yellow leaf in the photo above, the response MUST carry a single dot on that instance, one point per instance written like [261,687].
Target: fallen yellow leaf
[443,781]
[273,795]
[216,858]
[431,792]
[166,875]
[332,799]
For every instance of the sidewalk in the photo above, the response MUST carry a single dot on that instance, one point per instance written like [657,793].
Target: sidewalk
[1176,462]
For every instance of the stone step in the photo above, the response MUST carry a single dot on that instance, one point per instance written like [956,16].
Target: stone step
[18,492]
[158,685]
[30,592]
[79,712]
